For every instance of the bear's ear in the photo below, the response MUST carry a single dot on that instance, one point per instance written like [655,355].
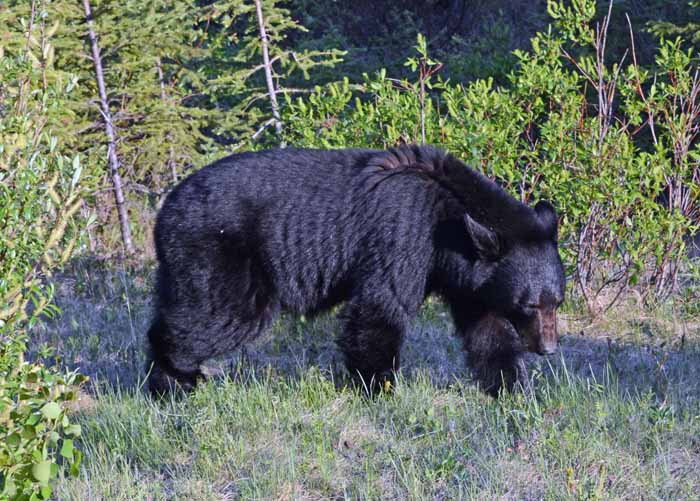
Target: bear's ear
[485,241]
[548,217]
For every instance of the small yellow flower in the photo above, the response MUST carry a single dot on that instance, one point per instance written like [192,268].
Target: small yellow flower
[570,480]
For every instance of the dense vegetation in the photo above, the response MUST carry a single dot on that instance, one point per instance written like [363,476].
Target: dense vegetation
[569,101]
[40,194]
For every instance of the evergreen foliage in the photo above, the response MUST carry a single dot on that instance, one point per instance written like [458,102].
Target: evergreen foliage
[184,84]
[688,29]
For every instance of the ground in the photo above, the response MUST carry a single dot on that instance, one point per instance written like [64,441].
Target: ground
[615,415]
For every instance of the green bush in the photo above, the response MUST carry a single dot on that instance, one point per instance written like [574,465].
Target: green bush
[35,429]
[614,146]
[40,194]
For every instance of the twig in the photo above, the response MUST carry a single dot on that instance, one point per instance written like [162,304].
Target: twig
[268,69]
[650,112]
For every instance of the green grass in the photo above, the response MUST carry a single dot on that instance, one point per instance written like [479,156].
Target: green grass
[265,436]
[615,416]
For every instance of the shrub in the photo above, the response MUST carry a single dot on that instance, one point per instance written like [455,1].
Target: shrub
[40,193]
[35,429]
[614,145]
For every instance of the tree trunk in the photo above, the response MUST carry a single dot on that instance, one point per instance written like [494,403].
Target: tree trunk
[268,69]
[111,135]
[422,107]
[169,136]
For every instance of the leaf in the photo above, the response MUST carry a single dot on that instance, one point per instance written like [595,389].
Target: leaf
[75,465]
[42,472]
[13,440]
[51,411]
[73,430]
[52,30]
[67,449]
[54,437]
[46,492]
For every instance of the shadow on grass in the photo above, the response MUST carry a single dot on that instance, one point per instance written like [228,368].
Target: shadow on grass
[106,312]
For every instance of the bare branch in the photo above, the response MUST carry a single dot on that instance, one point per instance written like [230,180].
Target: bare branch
[640,91]
[111,134]
[268,69]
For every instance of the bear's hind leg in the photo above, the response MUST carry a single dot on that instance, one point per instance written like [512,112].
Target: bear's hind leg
[166,370]
[211,299]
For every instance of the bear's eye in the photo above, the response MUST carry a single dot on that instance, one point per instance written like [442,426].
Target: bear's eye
[529,308]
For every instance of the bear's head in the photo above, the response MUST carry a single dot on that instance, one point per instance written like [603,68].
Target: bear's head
[519,275]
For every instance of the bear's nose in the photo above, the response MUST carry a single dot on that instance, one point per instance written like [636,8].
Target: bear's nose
[548,348]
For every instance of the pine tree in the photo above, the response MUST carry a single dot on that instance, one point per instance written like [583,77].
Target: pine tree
[240,85]
[145,49]
[184,84]
[688,31]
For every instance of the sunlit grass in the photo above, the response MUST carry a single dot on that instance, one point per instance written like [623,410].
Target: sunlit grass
[616,415]
[261,436]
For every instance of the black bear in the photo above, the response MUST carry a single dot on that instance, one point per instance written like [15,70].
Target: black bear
[302,230]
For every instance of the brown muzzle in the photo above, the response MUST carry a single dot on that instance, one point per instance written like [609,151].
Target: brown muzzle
[541,332]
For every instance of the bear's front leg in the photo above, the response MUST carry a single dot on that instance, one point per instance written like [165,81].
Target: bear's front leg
[371,342]
[495,354]
[499,370]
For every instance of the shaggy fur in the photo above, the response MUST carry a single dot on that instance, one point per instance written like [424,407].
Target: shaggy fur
[495,354]
[304,230]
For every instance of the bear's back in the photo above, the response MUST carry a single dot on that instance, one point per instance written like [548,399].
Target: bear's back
[317,223]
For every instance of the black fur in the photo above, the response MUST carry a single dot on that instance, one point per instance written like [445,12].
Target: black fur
[304,230]
[496,354]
